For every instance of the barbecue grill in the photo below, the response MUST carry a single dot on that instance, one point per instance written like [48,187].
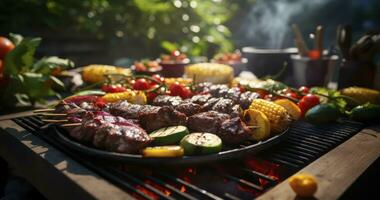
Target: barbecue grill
[243,178]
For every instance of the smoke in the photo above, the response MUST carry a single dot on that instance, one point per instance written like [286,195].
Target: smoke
[268,22]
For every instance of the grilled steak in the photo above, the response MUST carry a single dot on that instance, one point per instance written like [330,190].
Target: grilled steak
[233,131]
[162,117]
[123,139]
[246,99]
[130,111]
[200,99]
[166,100]
[207,121]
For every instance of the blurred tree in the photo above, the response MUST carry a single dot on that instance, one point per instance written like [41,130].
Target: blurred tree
[134,28]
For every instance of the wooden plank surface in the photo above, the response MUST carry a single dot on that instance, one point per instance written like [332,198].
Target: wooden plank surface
[53,173]
[338,169]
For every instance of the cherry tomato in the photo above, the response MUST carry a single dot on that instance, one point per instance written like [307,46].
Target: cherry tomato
[5,47]
[292,95]
[262,93]
[308,102]
[113,88]
[176,53]
[100,102]
[158,78]
[304,89]
[141,84]
[177,89]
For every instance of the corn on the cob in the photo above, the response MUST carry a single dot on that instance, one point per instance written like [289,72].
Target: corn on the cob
[210,72]
[95,73]
[278,116]
[135,97]
[362,95]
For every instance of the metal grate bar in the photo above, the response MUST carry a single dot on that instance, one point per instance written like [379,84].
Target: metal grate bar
[139,182]
[244,182]
[173,189]
[189,185]
[230,196]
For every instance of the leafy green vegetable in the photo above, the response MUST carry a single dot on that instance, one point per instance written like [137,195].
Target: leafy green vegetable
[26,81]
[330,96]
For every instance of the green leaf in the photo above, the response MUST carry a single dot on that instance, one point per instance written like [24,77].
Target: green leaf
[16,38]
[21,58]
[47,64]
[36,86]
[169,46]
[57,82]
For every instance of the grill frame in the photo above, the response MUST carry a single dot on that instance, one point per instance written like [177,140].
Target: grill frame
[113,174]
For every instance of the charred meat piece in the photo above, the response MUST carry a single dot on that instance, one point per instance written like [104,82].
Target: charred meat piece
[166,100]
[223,105]
[189,108]
[233,131]
[210,103]
[200,99]
[246,99]
[130,111]
[162,117]
[202,87]
[233,94]
[218,90]
[207,121]
[122,139]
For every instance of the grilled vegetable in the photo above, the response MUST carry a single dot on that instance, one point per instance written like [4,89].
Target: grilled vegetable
[292,108]
[163,151]
[362,95]
[322,113]
[278,116]
[366,112]
[304,185]
[96,73]
[169,135]
[201,143]
[136,97]
[90,92]
[254,117]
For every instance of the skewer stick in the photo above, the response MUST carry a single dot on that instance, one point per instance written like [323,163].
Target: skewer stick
[44,110]
[55,120]
[70,125]
[319,39]
[53,114]
[253,127]
[300,42]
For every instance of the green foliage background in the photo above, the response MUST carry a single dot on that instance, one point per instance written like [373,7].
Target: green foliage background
[197,27]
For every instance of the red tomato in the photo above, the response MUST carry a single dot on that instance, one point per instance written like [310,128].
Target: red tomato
[177,89]
[5,47]
[176,53]
[113,88]
[314,54]
[141,84]
[100,102]
[262,93]
[308,102]
[292,95]
[158,78]
[304,89]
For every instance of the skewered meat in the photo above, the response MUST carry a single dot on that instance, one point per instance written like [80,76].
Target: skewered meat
[150,117]
[231,130]
[206,121]
[123,139]
[163,117]
[130,111]
[175,102]
[234,131]
[244,99]
[200,99]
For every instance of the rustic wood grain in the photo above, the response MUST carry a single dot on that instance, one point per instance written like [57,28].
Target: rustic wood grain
[53,173]
[339,168]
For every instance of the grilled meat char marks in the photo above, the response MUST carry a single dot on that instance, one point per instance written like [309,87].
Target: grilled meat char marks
[150,117]
[244,99]
[112,133]
[123,139]
[230,130]
[186,107]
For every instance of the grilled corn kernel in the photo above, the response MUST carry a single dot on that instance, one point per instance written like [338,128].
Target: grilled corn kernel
[95,73]
[278,116]
[210,72]
[362,95]
[135,97]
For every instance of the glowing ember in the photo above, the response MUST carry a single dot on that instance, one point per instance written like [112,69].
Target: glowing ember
[183,188]
[146,191]
[265,167]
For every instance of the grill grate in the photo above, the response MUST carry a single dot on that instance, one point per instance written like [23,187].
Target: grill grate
[241,179]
